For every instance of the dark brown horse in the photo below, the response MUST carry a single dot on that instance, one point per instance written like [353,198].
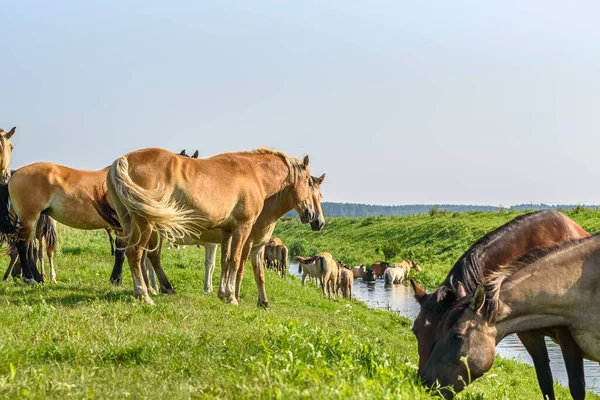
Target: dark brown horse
[499,247]
[545,288]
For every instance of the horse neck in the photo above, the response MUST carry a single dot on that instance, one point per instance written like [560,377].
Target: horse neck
[277,206]
[551,292]
[274,176]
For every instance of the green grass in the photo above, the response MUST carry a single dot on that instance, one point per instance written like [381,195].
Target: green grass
[82,338]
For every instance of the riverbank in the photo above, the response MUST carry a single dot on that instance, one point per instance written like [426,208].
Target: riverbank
[82,338]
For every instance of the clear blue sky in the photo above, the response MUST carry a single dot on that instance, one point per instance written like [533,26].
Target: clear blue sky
[398,102]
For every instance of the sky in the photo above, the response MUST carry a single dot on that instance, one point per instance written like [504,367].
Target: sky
[398,102]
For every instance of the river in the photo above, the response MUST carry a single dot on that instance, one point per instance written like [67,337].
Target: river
[399,298]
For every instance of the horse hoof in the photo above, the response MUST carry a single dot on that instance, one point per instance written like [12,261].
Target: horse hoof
[167,291]
[264,305]
[53,280]
[151,291]
[233,301]
[116,282]
[148,301]
[29,281]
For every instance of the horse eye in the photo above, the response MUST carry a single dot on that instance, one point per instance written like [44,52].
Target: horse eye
[458,336]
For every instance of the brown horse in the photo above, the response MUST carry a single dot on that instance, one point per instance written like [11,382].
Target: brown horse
[197,199]
[322,266]
[276,256]
[379,268]
[503,246]
[543,289]
[346,282]
[47,240]
[274,208]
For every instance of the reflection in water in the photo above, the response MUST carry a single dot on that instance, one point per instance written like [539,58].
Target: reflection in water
[399,298]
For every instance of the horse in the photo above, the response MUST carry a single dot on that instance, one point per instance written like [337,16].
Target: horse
[197,199]
[358,271]
[47,240]
[544,288]
[369,275]
[379,268]
[275,241]
[309,268]
[346,282]
[276,256]
[326,269]
[503,246]
[398,272]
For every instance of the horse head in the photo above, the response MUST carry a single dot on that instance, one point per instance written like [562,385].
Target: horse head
[466,347]
[6,148]
[308,198]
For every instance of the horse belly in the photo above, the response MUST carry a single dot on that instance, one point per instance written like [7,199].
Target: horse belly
[588,338]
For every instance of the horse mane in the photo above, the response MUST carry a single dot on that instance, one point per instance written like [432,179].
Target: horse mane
[491,306]
[469,269]
[295,166]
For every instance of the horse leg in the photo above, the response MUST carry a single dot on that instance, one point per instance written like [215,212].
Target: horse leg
[14,256]
[50,254]
[240,272]
[210,256]
[573,357]
[40,256]
[226,238]
[536,346]
[116,277]
[238,241]
[146,271]
[155,259]
[140,234]
[256,256]
[111,240]
[26,254]
[151,274]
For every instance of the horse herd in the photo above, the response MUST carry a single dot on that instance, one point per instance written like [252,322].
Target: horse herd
[537,276]
[333,275]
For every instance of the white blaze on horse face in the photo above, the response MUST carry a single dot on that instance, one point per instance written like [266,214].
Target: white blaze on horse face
[427,322]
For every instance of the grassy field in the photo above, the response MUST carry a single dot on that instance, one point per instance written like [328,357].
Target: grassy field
[82,338]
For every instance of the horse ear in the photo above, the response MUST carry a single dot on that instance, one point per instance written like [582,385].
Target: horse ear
[196,154]
[305,161]
[478,299]
[419,292]
[320,179]
[11,132]
[182,153]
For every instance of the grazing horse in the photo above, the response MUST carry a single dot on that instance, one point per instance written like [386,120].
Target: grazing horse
[276,256]
[379,268]
[544,288]
[198,200]
[275,241]
[398,272]
[346,282]
[369,275]
[358,272]
[46,236]
[503,246]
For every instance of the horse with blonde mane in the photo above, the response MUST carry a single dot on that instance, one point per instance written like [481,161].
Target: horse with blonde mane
[194,200]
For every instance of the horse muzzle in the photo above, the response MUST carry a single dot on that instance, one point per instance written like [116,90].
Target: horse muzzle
[318,223]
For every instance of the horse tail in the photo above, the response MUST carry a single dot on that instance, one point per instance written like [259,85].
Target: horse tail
[164,215]
[106,211]
[322,265]
[387,277]
[48,231]
[9,223]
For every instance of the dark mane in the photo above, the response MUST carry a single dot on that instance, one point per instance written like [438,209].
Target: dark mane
[469,269]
